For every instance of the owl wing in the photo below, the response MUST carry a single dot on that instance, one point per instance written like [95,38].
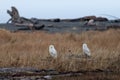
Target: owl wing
[87,51]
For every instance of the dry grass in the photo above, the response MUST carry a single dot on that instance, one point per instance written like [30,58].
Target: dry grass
[22,49]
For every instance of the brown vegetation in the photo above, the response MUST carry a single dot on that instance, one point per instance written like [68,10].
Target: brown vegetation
[23,49]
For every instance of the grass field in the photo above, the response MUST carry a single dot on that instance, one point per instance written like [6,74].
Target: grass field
[24,49]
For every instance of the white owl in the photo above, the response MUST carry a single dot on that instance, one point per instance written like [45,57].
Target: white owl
[86,50]
[52,51]
[91,22]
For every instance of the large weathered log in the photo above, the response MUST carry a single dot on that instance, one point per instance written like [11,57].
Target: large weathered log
[21,21]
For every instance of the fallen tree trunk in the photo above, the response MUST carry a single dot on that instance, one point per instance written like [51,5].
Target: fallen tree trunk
[21,21]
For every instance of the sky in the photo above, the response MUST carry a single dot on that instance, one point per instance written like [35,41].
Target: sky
[46,9]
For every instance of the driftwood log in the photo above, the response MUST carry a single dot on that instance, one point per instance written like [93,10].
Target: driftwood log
[21,21]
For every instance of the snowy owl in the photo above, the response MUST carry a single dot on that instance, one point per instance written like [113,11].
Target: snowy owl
[86,50]
[91,22]
[52,51]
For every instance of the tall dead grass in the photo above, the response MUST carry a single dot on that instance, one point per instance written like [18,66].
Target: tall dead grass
[23,49]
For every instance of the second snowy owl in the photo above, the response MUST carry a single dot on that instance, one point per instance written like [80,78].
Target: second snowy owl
[86,50]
